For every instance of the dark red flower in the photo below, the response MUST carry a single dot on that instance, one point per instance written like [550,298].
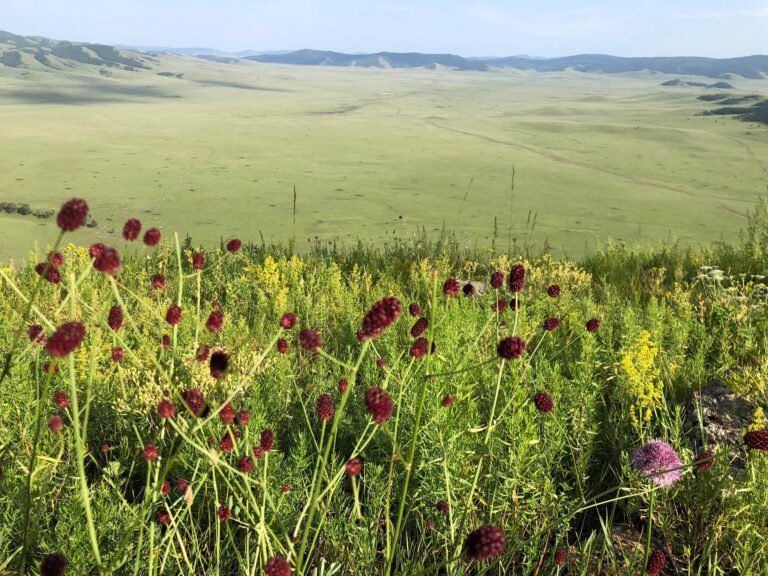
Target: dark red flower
[48,367]
[593,325]
[485,543]
[131,229]
[511,348]
[202,353]
[258,452]
[553,291]
[61,399]
[469,289]
[288,320]
[105,447]
[181,485]
[656,562]
[56,424]
[343,385]
[53,276]
[324,407]
[451,287]
[447,401]
[757,439]
[96,249]
[56,259]
[517,278]
[442,507]
[379,404]
[198,261]
[414,309]
[227,443]
[66,338]
[227,414]
[243,417]
[165,488]
[285,488]
[166,340]
[277,566]
[166,409]
[381,315]
[118,354]
[215,321]
[163,517]
[703,461]
[353,467]
[419,327]
[150,453]
[36,334]
[72,214]
[267,439]
[224,513]
[282,345]
[108,261]
[429,525]
[380,362]
[158,281]
[194,400]
[173,315]
[53,565]
[234,245]
[115,318]
[551,324]
[152,237]
[219,362]
[245,464]
[420,347]
[561,556]
[543,402]
[497,280]
[309,339]
[499,306]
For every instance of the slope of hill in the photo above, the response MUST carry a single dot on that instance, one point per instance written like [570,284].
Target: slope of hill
[377,60]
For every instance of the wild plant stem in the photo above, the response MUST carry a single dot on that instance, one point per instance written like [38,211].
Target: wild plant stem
[651,502]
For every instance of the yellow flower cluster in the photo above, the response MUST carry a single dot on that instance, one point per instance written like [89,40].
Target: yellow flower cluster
[758,420]
[638,364]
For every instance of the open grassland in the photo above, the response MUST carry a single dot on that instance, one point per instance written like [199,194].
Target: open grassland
[377,154]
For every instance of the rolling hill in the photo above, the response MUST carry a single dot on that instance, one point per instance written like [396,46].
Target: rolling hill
[376,60]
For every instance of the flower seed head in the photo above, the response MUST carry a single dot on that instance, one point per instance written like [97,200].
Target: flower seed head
[381,315]
[757,439]
[158,281]
[131,229]
[234,245]
[499,306]
[420,348]
[553,291]
[203,353]
[215,321]
[227,414]
[656,562]
[414,309]
[163,517]
[152,237]
[324,407]
[442,507]
[245,464]
[309,339]
[227,443]
[497,280]
[451,287]
[703,461]
[224,513]
[198,261]
[166,341]
[194,400]
[419,327]
[484,543]
[96,249]
[243,417]
[115,318]
[379,404]
[118,354]
[469,289]
[282,346]
[53,565]
[56,424]
[72,214]
[517,278]
[277,566]
[66,338]
[593,325]
[511,348]
[218,364]
[150,453]
[61,399]
[36,334]
[543,402]
[343,385]
[551,324]
[166,409]
[108,261]
[267,439]
[561,556]
[353,467]
[173,315]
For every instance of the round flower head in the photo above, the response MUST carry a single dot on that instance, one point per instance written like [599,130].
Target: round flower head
[288,320]
[163,517]
[224,513]
[380,362]
[497,280]
[517,278]
[234,245]
[152,237]
[243,417]
[419,327]
[658,462]
[96,249]
[115,318]
[381,315]
[166,341]
[245,465]
[198,261]
[593,325]
[282,346]
[285,488]
[53,565]
[656,562]
[108,261]
[353,467]
[447,401]
[61,399]
[56,424]
[757,439]
[543,402]
[309,339]
[442,507]
[166,409]
[173,315]
[35,333]
[215,321]
[218,364]
[379,404]
[227,414]
[561,556]
[227,443]
[158,281]
[56,259]
[194,401]
[420,348]
[165,489]
[499,306]
[131,229]
[343,385]
[703,461]
[203,353]
[72,214]
[150,453]
[469,289]
[181,485]
[511,348]
[551,324]
[66,338]
[484,543]
[277,566]
[118,354]
[553,291]
[324,407]
[451,287]
[414,309]
[267,440]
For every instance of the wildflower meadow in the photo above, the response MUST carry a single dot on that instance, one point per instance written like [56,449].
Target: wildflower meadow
[416,408]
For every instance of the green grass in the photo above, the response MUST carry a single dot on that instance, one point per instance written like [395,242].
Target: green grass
[379,154]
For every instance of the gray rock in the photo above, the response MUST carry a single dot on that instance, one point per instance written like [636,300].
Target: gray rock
[721,414]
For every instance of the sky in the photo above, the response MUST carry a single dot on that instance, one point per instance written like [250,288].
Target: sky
[479,28]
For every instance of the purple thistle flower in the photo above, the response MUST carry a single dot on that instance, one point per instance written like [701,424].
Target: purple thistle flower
[659,462]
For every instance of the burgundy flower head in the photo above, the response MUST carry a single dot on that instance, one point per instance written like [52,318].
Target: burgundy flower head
[442,506]
[215,321]
[165,489]
[517,278]
[227,443]
[203,353]
[56,259]
[166,409]
[115,318]
[656,562]
[343,385]
[447,401]
[511,348]
[152,237]
[234,245]
[593,325]
[324,407]
[285,488]
[288,320]
[657,461]
[267,439]
[551,324]
[420,348]
[96,249]
[66,338]
[245,465]
[61,399]
[173,315]
[131,229]
[198,261]
[108,261]
[72,214]
[118,354]
[353,467]
[379,404]
[553,291]
[381,315]
[484,543]
[414,309]
[499,306]
[166,341]
[224,513]
[309,339]
[181,485]
[282,345]
[56,424]
[163,517]
[150,453]
[757,439]
[561,556]
[543,402]
[451,287]
[158,281]
[194,401]
[227,414]
[53,565]
[218,364]
[419,327]
[469,289]
[35,333]
[703,461]
[243,417]
[497,280]
[277,566]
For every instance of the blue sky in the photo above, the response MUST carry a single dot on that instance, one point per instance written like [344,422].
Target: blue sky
[480,28]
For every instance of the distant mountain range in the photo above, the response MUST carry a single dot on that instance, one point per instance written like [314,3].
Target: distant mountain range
[35,52]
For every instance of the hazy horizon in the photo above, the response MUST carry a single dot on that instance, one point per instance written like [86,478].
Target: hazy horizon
[471,29]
